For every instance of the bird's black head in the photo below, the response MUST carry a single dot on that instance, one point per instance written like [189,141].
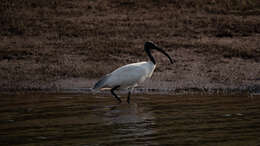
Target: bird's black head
[150,45]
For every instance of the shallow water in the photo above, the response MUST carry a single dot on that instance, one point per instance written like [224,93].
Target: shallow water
[81,119]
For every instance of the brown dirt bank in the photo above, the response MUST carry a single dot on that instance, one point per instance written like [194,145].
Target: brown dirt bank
[56,44]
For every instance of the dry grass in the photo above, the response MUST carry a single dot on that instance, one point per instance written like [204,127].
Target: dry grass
[48,40]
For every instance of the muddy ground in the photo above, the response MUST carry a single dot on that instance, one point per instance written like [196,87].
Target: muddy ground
[64,44]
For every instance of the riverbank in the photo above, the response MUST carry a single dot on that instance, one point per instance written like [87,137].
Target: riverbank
[58,45]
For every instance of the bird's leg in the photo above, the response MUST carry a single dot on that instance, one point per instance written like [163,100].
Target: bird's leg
[128,97]
[113,93]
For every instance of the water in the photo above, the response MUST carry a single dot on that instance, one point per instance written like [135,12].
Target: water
[81,119]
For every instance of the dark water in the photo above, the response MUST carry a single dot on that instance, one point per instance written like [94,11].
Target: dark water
[80,119]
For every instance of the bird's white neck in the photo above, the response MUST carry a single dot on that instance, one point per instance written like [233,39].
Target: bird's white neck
[150,67]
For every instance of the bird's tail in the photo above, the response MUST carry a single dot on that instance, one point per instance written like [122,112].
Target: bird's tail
[101,82]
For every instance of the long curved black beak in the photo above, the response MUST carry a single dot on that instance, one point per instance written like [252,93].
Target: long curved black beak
[167,55]
[150,45]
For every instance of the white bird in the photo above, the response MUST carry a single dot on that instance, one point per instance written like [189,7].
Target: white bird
[130,75]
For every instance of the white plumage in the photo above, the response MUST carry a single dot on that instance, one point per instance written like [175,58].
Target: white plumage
[129,76]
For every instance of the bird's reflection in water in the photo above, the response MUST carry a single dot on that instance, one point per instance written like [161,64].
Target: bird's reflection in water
[129,120]
[126,113]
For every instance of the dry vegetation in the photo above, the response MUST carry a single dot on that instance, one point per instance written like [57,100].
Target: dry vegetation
[215,42]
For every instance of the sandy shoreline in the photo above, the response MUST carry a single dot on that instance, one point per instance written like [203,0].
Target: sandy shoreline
[58,45]
[84,86]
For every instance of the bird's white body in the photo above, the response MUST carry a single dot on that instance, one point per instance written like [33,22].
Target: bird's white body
[129,76]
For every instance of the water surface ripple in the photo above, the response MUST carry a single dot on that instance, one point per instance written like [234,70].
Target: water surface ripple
[81,119]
